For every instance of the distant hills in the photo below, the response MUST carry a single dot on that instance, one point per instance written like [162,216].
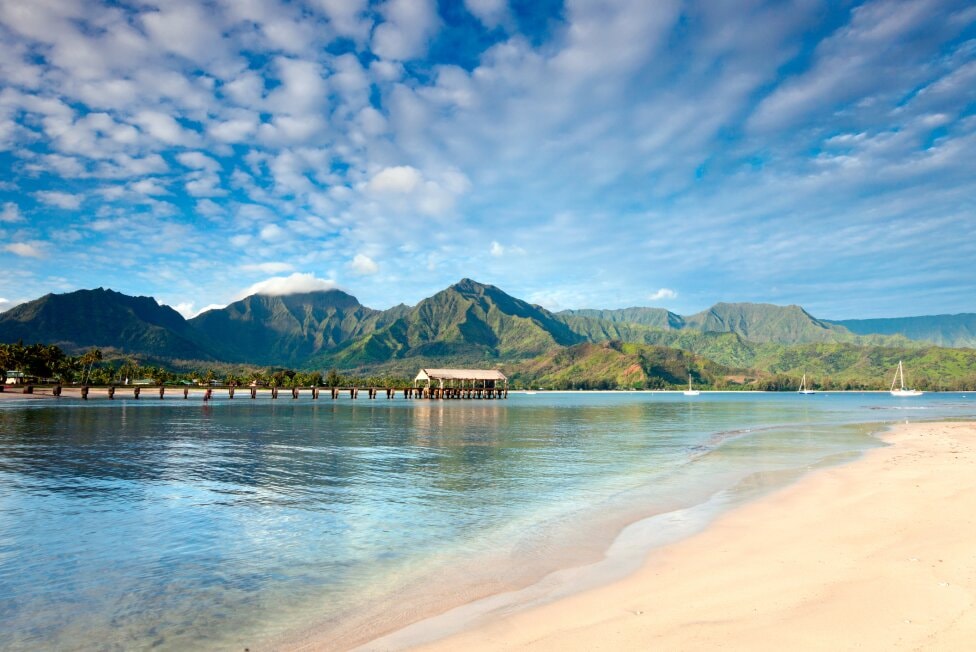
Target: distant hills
[756,322]
[943,330]
[474,324]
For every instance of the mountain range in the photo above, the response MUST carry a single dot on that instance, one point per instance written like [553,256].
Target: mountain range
[472,324]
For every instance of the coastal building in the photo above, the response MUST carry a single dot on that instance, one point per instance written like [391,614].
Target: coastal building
[462,378]
[17,378]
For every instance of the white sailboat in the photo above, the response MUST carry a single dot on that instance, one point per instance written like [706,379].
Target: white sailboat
[803,387]
[902,391]
[690,391]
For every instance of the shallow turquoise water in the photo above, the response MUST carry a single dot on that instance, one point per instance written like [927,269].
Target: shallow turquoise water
[176,525]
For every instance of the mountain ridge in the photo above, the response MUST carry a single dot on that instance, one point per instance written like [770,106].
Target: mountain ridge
[466,324]
[107,319]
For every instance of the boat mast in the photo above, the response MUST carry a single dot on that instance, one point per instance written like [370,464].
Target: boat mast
[899,378]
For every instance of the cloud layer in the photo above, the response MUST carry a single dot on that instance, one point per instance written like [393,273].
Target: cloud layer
[577,152]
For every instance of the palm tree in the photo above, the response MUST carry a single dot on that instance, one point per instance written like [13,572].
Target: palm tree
[89,359]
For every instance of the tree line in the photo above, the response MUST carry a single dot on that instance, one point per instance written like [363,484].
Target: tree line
[48,363]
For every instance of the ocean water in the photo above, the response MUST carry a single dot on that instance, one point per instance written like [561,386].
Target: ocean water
[177,525]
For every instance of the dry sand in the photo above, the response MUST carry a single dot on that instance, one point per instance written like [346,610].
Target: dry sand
[879,554]
[16,394]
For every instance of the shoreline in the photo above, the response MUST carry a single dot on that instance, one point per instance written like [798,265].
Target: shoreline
[803,567]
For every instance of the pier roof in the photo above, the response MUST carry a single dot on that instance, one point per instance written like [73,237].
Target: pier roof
[460,374]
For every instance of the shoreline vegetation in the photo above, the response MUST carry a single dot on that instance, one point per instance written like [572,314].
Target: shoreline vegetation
[806,567]
[608,366]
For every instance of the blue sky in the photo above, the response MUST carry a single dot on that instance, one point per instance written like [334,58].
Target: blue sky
[576,154]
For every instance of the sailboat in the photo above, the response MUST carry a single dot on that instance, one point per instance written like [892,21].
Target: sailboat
[690,391]
[803,387]
[903,391]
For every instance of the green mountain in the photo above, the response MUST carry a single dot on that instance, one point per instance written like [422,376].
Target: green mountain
[848,366]
[654,317]
[468,322]
[287,330]
[612,365]
[753,322]
[944,330]
[763,322]
[104,319]
[472,324]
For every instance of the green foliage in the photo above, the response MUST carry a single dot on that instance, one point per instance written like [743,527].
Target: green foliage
[38,360]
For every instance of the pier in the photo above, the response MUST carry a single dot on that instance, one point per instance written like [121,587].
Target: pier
[430,384]
[158,393]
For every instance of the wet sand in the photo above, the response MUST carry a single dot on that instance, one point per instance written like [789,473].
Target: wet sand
[876,554]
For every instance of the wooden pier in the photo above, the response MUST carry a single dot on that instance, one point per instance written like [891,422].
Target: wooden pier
[440,385]
[151,392]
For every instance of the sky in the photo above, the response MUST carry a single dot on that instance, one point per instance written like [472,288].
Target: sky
[598,154]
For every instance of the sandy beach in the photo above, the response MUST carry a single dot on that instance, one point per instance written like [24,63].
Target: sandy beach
[877,554]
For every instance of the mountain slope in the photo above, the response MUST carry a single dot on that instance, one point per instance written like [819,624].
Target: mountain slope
[468,322]
[754,322]
[288,329]
[944,330]
[105,319]
[762,322]
[611,365]
[653,317]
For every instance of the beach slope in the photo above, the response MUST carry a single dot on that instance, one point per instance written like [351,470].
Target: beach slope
[877,554]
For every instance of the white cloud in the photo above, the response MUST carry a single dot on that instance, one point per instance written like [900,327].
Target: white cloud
[198,161]
[25,249]
[498,250]
[185,29]
[400,179]
[663,293]
[240,240]
[11,213]
[235,130]
[273,233]
[164,128]
[490,12]
[189,312]
[269,268]
[434,197]
[149,187]
[7,304]
[409,26]
[364,265]
[347,17]
[63,200]
[302,88]
[283,285]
